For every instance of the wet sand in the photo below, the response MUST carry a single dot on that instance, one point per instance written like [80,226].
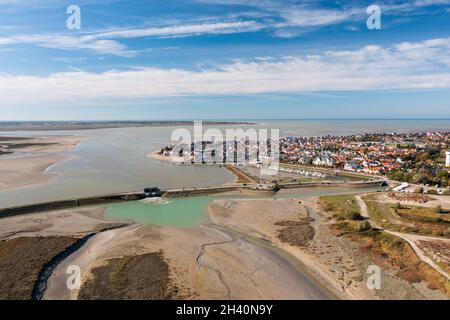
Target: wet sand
[157,156]
[276,221]
[25,172]
[25,167]
[205,263]
[70,222]
[241,256]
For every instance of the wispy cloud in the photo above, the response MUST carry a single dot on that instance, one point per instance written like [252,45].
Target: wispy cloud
[401,66]
[308,14]
[183,30]
[65,42]
[102,42]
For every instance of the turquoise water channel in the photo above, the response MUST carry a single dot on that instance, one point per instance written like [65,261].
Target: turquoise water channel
[179,212]
[189,212]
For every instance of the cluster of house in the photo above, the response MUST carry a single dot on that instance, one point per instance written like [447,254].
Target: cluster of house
[367,153]
[242,152]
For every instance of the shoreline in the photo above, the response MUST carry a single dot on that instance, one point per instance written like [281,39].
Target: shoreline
[28,167]
[239,177]
[157,156]
[10,126]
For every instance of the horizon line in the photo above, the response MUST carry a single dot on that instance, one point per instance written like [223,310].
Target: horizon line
[217,119]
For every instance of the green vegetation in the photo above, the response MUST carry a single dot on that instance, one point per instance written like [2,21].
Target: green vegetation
[276,187]
[391,252]
[349,226]
[382,213]
[423,168]
[341,207]
[345,211]
[408,219]
[385,249]
[436,215]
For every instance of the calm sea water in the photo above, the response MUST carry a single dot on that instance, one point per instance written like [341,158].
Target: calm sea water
[115,160]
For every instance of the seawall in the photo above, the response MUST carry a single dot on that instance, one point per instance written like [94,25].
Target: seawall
[176,193]
[72,203]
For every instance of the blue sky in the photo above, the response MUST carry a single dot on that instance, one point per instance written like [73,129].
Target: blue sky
[209,59]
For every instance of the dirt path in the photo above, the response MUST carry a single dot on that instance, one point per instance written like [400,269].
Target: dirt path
[364,210]
[408,238]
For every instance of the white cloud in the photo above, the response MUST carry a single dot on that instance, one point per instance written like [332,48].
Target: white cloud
[69,43]
[101,42]
[421,65]
[183,30]
[306,14]
[313,18]
[423,3]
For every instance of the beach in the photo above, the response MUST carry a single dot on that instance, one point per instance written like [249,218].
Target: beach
[294,228]
[205,262]
[26,164]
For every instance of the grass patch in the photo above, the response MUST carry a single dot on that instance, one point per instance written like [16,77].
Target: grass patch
[352,226]
[345,211]
[422,214]
[408,219]
[382,213]
[341,207]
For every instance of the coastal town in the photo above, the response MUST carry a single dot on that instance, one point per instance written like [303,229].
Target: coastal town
[422,158]
[417,158]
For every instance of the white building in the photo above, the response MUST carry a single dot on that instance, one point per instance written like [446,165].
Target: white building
[351,166]
[324,161]
[447,159]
